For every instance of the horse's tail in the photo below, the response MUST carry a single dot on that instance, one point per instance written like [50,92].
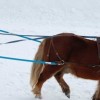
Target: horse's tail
[37,68]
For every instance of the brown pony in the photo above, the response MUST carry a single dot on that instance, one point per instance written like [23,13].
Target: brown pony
[74,54]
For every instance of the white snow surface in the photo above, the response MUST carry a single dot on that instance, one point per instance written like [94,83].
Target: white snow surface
[43,17]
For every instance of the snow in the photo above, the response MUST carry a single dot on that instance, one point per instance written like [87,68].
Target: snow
[43,17]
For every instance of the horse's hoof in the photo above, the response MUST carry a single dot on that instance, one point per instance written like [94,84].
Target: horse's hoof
[38,96]
[67,94]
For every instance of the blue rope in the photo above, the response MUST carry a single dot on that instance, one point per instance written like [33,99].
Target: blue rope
[4,31]
[15,41]
[41,36]
[28,38]
[22,36]
[27,60]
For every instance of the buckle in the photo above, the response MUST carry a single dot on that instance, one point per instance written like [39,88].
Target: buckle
[62,62]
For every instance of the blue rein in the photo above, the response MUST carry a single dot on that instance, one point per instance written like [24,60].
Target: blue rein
[27,37]
[22,36]
[27,60]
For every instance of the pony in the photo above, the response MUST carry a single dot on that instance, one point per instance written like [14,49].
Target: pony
[74,54]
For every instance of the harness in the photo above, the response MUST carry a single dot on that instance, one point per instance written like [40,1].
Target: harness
[98,45]
[37,39]
[60,60]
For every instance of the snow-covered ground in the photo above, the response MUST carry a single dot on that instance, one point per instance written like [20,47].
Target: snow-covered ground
[43,17]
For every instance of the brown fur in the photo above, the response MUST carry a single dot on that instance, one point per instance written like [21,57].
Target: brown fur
[80,55]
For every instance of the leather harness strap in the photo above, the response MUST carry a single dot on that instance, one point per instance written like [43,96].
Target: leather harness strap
[98,46]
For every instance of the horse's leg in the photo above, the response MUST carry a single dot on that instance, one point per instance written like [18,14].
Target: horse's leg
[97,93]
[46,74]
[62,83]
